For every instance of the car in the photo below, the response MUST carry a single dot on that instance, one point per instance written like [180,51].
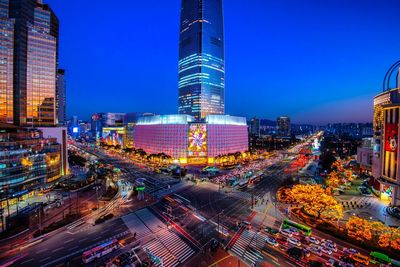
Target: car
[316,251]
[349,251]
[328,241]
[313,240]
[271,230]
[294,231]
[326,250]
[294,241]
[330,246]
[286,232]
[271,241]
[307,252]
[246,224]
[331,262]
[282,241]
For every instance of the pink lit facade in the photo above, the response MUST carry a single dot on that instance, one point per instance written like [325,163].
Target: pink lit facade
[170,139]
[225,139]
[183,139]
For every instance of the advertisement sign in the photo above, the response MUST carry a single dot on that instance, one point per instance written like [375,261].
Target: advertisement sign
[197,140]
[391,136]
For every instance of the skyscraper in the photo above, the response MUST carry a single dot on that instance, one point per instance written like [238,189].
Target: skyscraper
[61,97]
[201,58]
[283,124]
[6,63]
[35,63]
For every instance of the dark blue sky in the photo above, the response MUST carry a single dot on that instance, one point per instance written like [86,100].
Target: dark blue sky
[316,61]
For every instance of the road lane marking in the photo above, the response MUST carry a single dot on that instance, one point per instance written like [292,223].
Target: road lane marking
[60,248]
[81,240]
[67,241]
[26,261]
[73,248]
[45,259]
[42,250]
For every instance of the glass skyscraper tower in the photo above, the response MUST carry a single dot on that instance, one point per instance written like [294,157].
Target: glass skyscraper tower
[34,62]
[201,58]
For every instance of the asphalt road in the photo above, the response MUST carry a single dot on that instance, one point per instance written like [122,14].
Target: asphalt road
[67,248]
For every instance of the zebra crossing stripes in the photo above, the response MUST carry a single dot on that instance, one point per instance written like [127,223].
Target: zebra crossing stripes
[176,245]
[247,244]
[171,249]
[157,249]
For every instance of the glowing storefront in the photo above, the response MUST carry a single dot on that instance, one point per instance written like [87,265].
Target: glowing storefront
[385,159]
[180,137]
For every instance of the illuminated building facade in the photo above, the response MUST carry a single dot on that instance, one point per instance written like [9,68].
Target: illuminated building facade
[190,141]
[28,162]
[35,63]
[115,136]
[6,64]
[385,158]
[107,119]
[201,58]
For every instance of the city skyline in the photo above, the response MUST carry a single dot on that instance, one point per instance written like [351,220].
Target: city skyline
[309,52]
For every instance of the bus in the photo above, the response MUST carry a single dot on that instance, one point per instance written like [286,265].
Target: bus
[100,250]
[395,263]
[302,228]
[377,257]
[243,184]
[358,257]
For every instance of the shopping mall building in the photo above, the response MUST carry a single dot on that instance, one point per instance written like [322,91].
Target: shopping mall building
[189,141]
[385,159]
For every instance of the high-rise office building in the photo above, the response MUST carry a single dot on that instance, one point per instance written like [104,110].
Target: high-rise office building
[254,127]
[6,63]
[284,127]
[35,63]
[201,58]
[61,97]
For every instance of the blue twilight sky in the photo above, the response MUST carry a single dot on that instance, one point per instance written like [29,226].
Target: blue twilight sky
[316,61]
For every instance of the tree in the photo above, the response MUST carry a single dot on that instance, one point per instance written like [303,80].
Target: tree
[333,179]
[359,228]
[315,201]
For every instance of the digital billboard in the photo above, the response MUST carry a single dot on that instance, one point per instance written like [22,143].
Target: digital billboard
[391,136]
[197,140]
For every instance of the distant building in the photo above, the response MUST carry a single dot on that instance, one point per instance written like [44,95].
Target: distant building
[354,130]
[108,119]
[188,141]
[61,98]
[365,155]
[115,136]
[254,127]
[283,126]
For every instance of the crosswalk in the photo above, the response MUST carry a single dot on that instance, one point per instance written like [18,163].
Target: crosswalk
[135,225]
[169,248]
[247,246]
